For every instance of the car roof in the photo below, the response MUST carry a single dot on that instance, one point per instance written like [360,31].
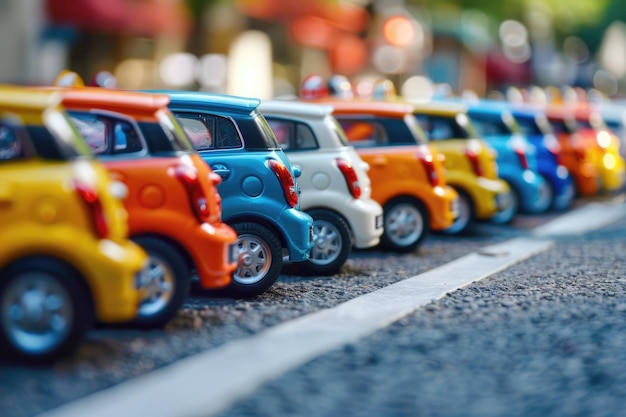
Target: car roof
[439,107]
[372,107]
[294,108]
[26,98]
[212,101]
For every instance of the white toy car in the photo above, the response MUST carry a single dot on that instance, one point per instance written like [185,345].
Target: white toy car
[335,186]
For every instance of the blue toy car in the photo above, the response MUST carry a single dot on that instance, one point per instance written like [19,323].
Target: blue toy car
[260,195]
[517,162]
[535,126]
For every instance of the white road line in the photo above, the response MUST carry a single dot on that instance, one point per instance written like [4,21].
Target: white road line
[582,220]
[208,383]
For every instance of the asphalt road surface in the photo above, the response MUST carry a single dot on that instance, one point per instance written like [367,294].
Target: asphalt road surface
[542,337]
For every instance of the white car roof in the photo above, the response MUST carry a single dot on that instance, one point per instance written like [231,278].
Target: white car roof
[294,108]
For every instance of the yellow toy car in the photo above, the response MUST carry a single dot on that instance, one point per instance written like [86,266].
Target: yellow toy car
[470,165]
[65,260]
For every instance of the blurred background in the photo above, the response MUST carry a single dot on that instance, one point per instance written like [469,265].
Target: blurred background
[264,48]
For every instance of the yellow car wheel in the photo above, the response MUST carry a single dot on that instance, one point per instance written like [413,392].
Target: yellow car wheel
[44,309]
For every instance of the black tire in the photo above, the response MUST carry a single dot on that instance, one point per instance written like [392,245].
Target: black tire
[405,225]
[466,216]
[64,311]
[260,261]
[506,216]
[171,280]
[332,244]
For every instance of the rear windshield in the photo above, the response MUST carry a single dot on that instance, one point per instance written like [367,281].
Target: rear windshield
[446,127]
[337,130]
[174,132]
[533,125]
[490,127]
[58,139]
[267,138]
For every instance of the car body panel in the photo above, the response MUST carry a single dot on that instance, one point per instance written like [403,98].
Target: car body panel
[383,135]
[250,190]
[43,215]
[536,127]
[577,157]
[516,157]
[444,124]
[323,185]
[149,171]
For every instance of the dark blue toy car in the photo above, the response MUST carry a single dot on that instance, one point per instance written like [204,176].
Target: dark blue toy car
[517,160]
[534,124]
[260,195]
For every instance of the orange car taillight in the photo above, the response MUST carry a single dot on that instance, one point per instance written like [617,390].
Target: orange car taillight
[429,166]
[188,176]
[474,162]
[215,181]
[89,195]
[286,181]
[352,180]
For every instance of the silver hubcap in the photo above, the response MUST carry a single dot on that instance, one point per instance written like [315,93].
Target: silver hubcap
[160,287]
[508,213]
[404,224]
[255,259]
[463,218]
[545,197]
[327,242]
[37,312]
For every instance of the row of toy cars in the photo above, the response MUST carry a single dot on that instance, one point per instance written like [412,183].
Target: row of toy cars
[543,155]
[173,153]
[66,261]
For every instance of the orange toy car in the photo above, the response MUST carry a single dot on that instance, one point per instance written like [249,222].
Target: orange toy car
[577,157]
[174,209]
[407,176]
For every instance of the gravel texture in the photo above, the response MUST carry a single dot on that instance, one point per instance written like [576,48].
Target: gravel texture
[110,356]
[546,337]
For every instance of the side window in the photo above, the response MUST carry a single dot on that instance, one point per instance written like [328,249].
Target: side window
[440,130]
[10,145]
[364,133]
[284,132]
[227,136]
[305,138]
[93,130]
[126,139]
[198,133]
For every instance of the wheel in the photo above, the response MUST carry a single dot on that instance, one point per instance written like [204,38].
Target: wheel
[405,225]
[332,244]
[260,260]
[465,216]
[506,216]
[564,201]
[169,283]
[546,197]
[44,311]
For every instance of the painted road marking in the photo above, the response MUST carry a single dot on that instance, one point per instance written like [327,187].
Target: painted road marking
[208,383]
[587,218]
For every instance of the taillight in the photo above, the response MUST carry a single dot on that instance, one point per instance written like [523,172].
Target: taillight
[475,162]
[94,207]
[523,159]
[286,181]
[427,161]
[216,180]
[352,180]
[197,198]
